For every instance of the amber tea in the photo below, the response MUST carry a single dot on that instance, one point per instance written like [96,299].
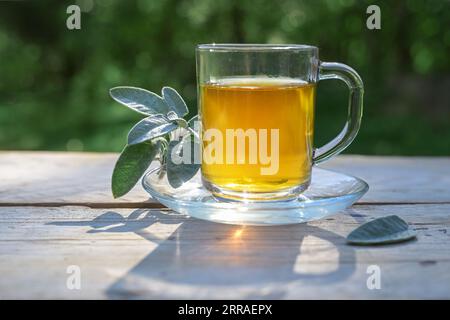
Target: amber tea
[257,133]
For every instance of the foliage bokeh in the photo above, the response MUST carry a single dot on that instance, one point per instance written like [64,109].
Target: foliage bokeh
[54,82]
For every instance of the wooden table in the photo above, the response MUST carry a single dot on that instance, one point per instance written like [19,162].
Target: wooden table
[56,211]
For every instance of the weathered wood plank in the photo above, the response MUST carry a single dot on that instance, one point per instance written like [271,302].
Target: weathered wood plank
[52,178]
[152,253]
[398,179]
[55,178]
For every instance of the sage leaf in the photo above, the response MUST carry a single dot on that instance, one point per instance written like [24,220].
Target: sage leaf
[191,122]
[193,128]
[181,123]
[140,100]
[150,128]
[180,172]
[385,230]
[174,101]
[133,162]
[171,115]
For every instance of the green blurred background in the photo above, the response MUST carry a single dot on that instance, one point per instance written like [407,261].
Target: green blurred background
[54,82]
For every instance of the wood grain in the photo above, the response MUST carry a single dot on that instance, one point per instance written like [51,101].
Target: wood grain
[56,210]
[61,178]
[398,179]
[155,253]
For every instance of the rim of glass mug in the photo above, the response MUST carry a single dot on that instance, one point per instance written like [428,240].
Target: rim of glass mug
[254,47]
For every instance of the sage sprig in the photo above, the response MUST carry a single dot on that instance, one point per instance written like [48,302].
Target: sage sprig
[152,138]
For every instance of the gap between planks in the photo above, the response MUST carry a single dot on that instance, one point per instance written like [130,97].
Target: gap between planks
[157,205]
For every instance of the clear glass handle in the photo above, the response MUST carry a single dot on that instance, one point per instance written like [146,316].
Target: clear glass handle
[334,70]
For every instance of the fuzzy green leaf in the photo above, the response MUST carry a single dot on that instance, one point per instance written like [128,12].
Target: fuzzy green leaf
[172,115]
[131,165]
[150,128]
[191,122]
[179,173]
[140,100]
[385,230]
[174,101]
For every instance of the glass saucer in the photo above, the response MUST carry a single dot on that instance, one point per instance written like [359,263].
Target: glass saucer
[329,193]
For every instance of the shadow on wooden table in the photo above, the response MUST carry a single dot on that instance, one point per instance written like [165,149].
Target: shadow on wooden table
[210,260]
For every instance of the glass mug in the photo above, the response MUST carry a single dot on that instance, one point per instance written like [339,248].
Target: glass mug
[256,110]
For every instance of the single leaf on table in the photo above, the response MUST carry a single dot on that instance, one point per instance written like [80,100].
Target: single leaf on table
[174,101]
[385,230]
[179,173]
[132,164]
[140,100]
[150,128]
